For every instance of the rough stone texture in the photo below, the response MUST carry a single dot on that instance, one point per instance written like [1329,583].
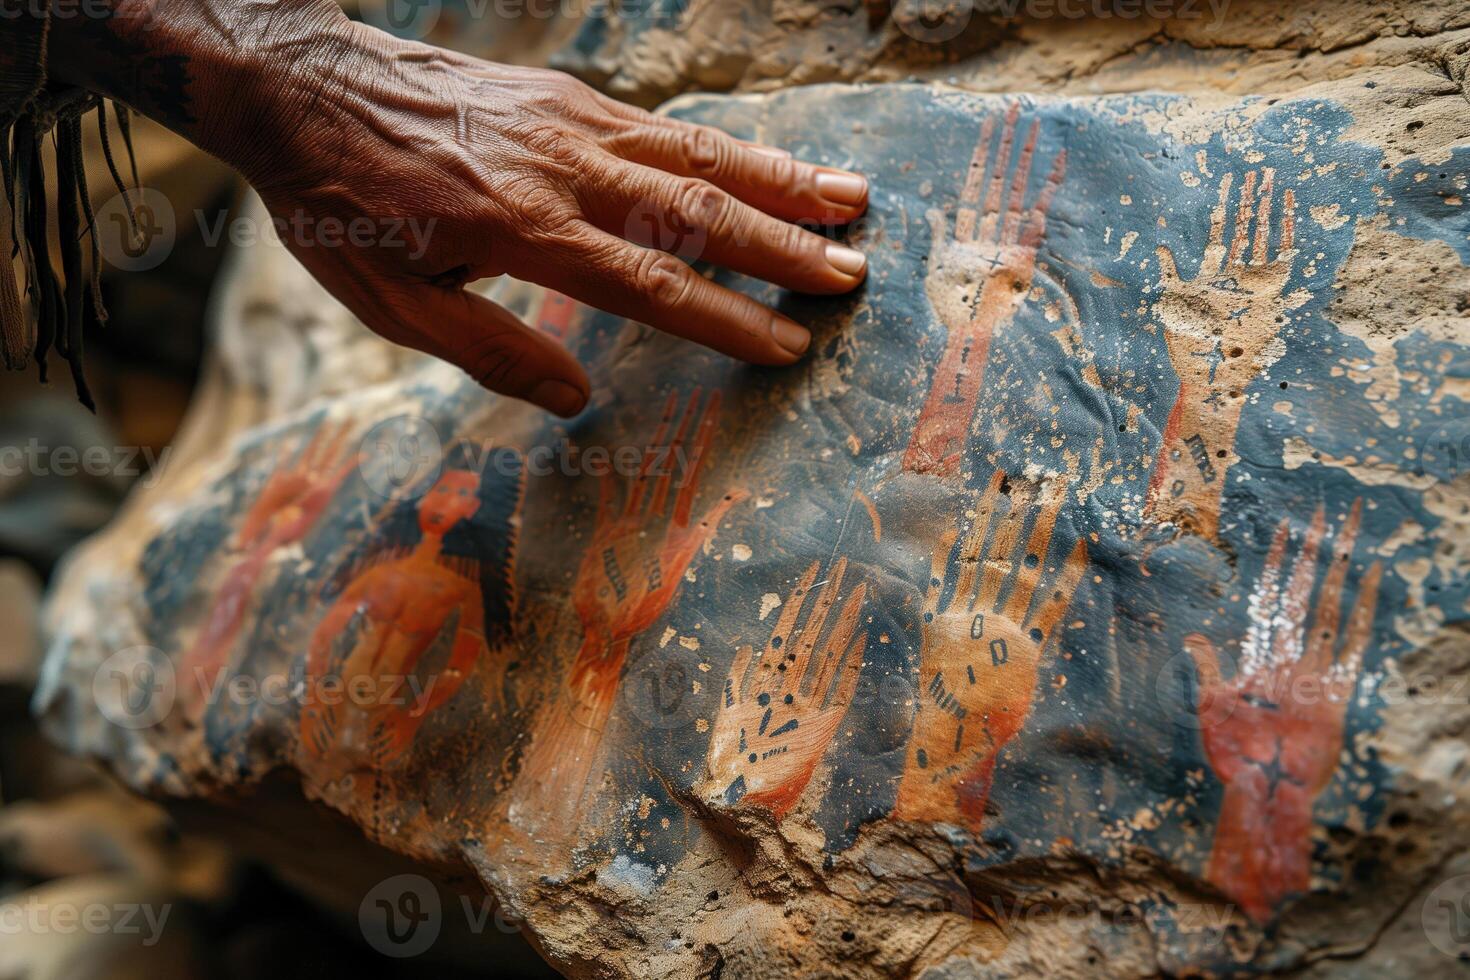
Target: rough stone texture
[1111,549]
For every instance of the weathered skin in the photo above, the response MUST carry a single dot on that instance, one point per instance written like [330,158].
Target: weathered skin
[1142,784]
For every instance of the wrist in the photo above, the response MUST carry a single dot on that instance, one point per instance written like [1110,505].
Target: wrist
[217,74]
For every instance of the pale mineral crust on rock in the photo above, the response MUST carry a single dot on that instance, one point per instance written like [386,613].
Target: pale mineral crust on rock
[1091,601]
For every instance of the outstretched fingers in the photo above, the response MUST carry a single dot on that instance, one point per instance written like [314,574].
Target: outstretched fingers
[1020,180]
[658,289]
[799,660]
[1038,545]
[837,647]
[708,425]
[964,229]
[1056,605]
[1036,222]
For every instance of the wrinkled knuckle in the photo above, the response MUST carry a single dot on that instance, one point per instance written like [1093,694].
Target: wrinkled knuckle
[553,144]
[704,150]
[665,280]
[701,204]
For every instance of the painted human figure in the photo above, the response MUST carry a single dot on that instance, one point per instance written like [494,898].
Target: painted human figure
[293,498]
[780,709]
[982,645]
[978,278]
[1273,732]
[1223,329]
[630,572]
[440,573]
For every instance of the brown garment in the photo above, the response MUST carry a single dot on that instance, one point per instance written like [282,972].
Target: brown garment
[30,110]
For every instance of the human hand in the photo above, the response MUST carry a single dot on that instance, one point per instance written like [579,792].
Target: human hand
[477,170]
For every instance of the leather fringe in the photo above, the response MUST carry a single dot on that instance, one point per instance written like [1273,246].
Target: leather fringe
[55,309]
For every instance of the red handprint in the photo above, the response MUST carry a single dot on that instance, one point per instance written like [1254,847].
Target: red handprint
[1273,732]
[1002,249]
[628,576]
[290,503]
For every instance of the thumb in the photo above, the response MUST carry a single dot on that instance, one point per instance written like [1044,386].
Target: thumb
[495,348]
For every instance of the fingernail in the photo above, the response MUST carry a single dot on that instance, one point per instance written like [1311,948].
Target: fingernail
[848,261]
[792,336]
[844,189]
[771,151]
[558,397]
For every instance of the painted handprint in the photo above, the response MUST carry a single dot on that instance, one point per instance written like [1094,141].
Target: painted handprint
[1223,329]
[977,280]
[629,574]
[982,645]
[780,709]
[291,501]
[1273,732]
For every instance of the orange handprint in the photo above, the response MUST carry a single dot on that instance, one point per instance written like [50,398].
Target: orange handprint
[623,586]
[1272,733]
[780,710]
[290,503]
[1223,329]
[1002,249]
[978,663]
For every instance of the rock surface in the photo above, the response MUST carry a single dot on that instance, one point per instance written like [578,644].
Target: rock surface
[1092,601]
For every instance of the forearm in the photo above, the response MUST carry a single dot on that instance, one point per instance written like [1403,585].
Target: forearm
[170,59]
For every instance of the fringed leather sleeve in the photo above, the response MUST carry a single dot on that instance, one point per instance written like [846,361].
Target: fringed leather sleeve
[48,310]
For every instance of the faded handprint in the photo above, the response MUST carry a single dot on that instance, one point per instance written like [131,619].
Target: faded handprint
[1273,732]
[976,282]
[1223,329]
[981,649]
[628,576]
[780,709]
[289,504]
